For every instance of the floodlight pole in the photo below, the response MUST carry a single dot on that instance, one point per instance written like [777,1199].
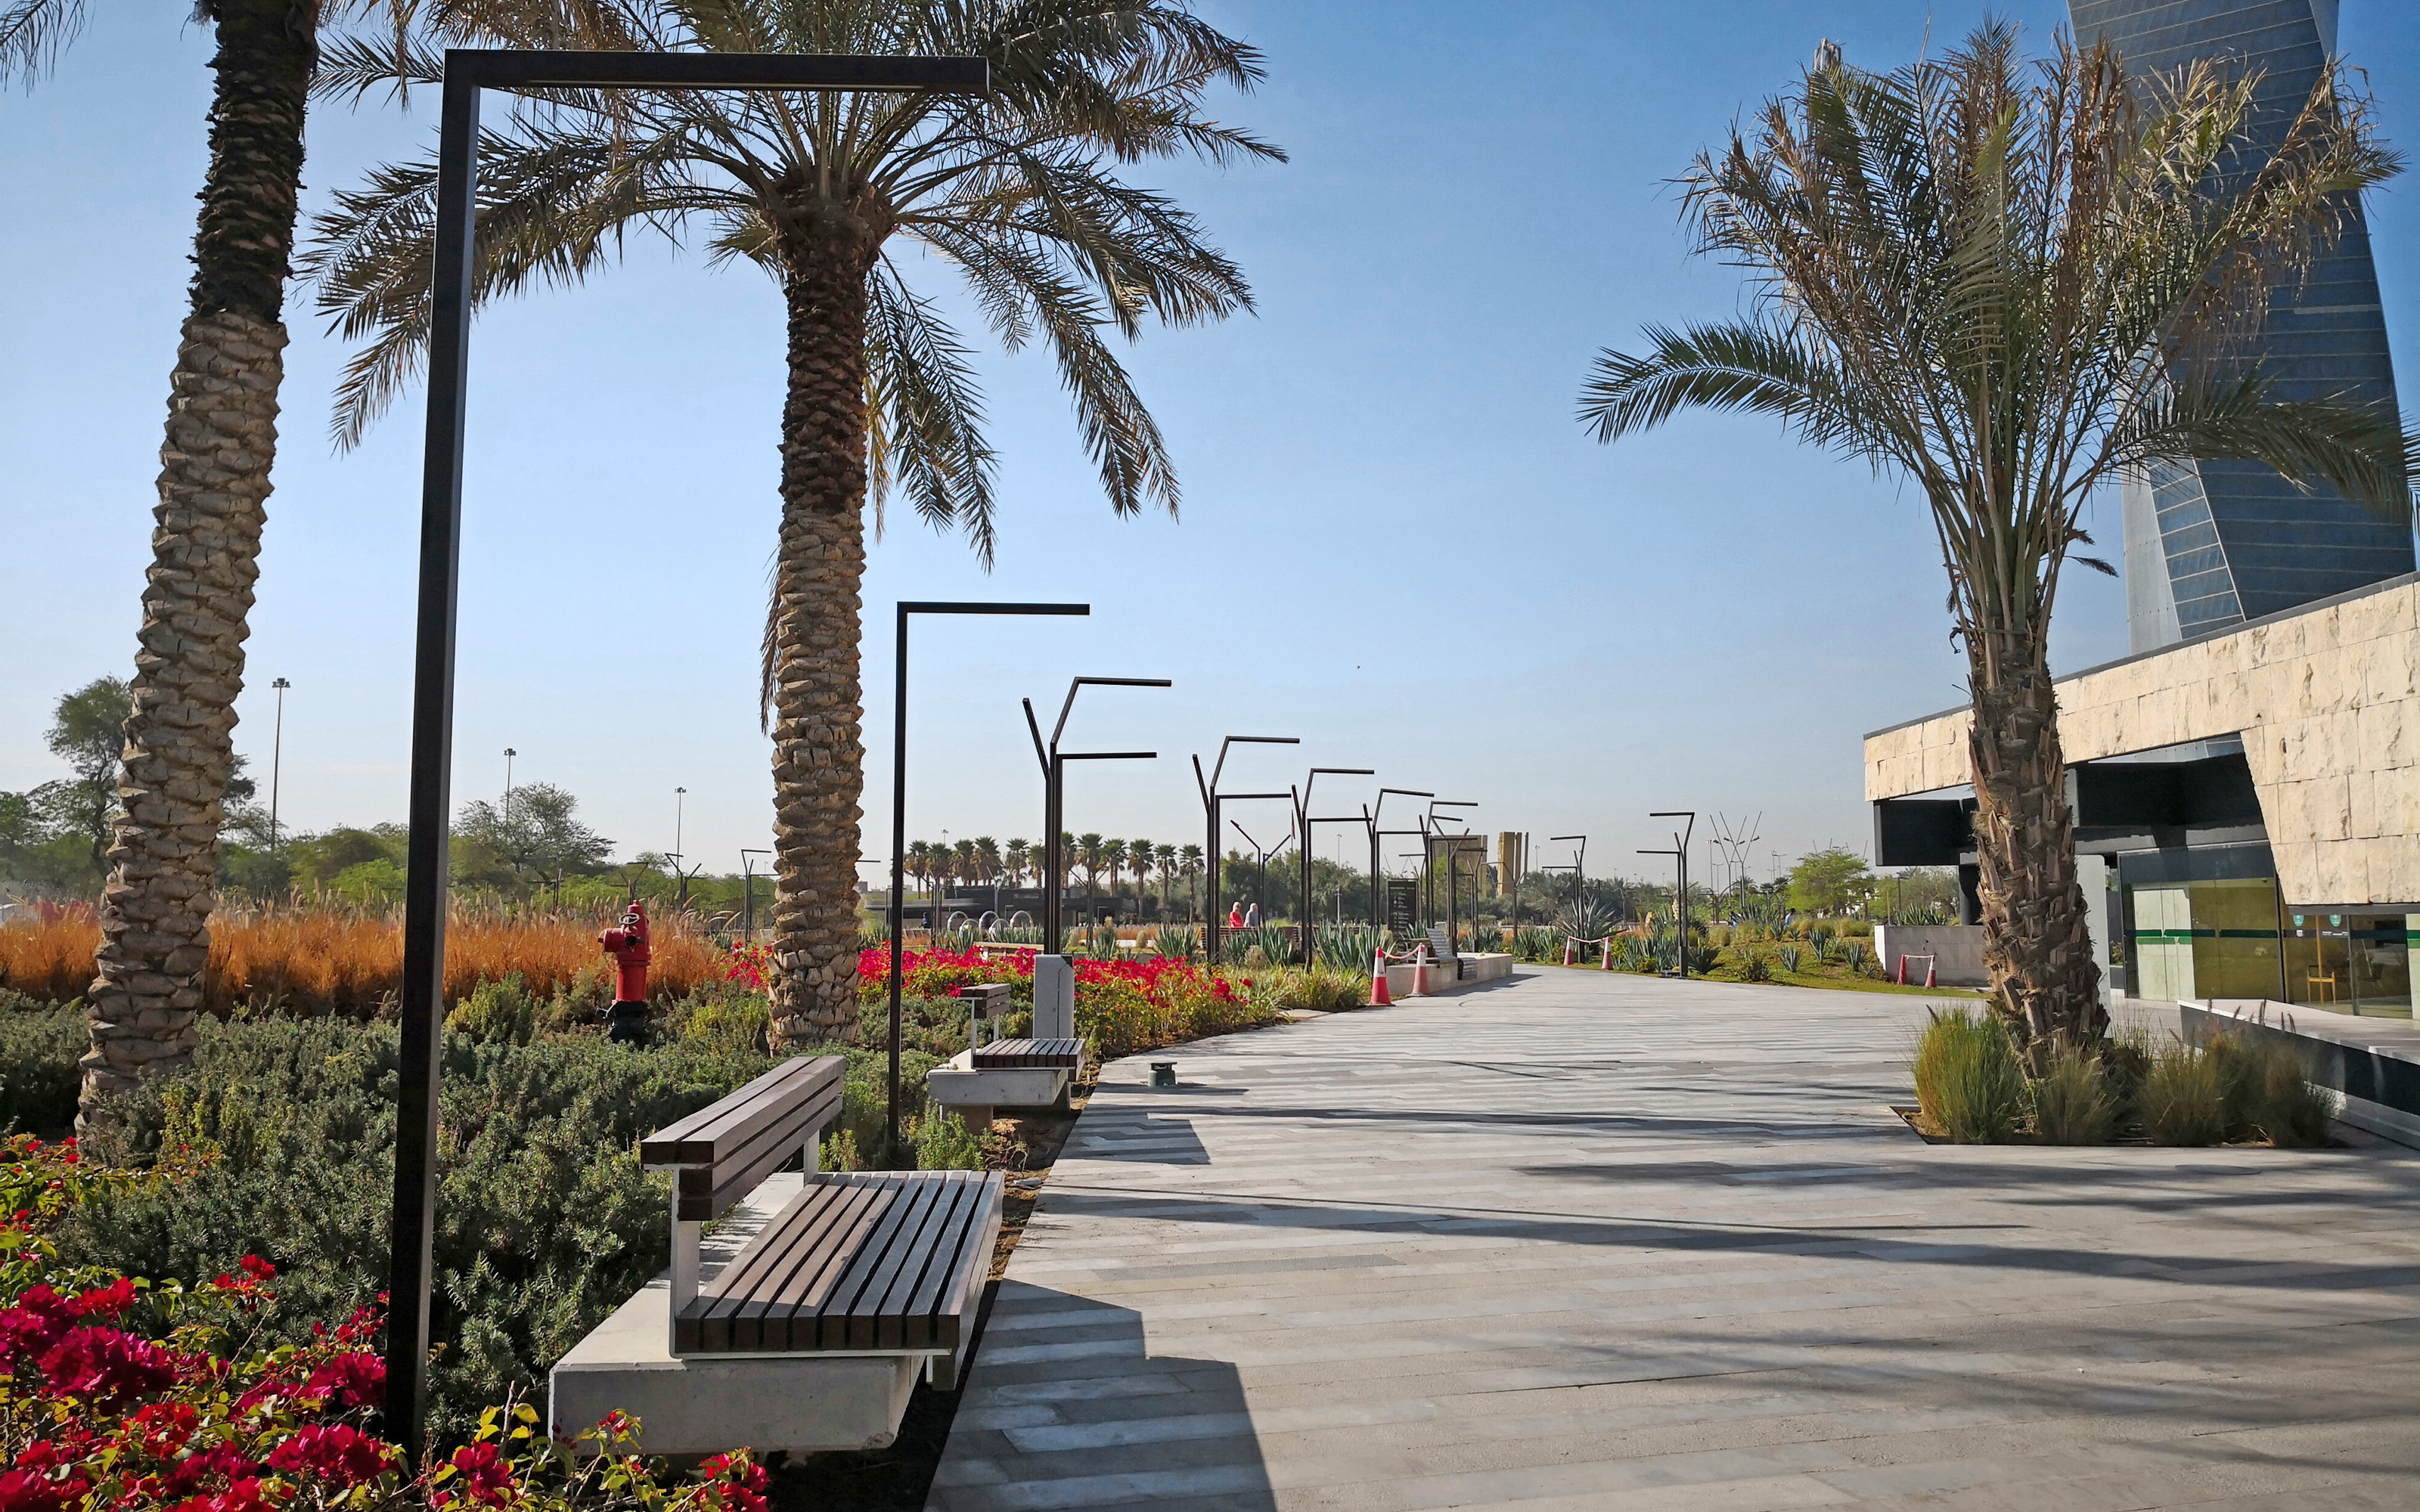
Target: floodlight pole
[908,609]
[1213,800]
[469,70]
[1304,819]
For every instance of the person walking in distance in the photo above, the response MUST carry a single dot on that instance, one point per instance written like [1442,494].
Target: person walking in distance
[627,946]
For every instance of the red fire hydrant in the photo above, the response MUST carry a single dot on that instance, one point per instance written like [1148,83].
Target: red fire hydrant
[627,946]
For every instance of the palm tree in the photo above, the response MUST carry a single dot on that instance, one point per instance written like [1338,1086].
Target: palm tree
[1166,857]
[1021,853]
[1020,191]
[1191,857]
[214,465]
[2011,283]
[1113,853]
[1092,852]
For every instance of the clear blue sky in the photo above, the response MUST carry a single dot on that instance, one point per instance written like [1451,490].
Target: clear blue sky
[1397,543]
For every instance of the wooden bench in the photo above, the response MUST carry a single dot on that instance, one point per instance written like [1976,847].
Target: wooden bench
[812,1333]
[1030,1055]
[879,1262]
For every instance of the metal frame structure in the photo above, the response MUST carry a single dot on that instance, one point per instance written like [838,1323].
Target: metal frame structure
[898,911]
[1430,835]
[1054,788]
[1260,855]
[1212,802]
[469,71]
[1304,819]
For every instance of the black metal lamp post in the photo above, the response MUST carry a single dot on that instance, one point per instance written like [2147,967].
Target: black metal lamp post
[1054,786]
[1679,854]
[748,892]
[467,72]
[908,608]
[1212,800]
[1431,834]
[1304,819]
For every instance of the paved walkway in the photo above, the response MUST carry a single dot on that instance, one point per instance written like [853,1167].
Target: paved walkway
[1585,1241]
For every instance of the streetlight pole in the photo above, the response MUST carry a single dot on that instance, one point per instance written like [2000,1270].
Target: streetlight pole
[276,759]
[1212,801]
[747,895]
[509,754]
[1370,822]
[454,247]
[1681,859]
[1054,778]
[1304,819]
[908,608]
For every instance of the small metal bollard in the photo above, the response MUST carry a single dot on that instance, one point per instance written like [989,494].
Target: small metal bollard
[1163,1073]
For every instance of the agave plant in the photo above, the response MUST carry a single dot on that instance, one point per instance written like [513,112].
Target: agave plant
[1584,919]
[1347,947]
[1789,955]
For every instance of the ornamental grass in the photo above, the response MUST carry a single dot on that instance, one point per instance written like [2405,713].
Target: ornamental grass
[1969,1086]
[351,963]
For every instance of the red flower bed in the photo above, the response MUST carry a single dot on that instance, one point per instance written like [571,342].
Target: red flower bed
[117,1394]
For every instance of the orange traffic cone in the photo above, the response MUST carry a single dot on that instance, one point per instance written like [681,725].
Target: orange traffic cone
[1930,975]
[1379,997]
[1571,950]
[1420,971]
[1604,953]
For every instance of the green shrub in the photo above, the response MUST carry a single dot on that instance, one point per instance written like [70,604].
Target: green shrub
[740,1022]
[2182,1097]
[2073,1104]
[1757,966]
[2264,1094]
[39,1047]
[496,1012]
[1318,988]
[544,1222]
[1968,1083]
[1790,956]
[943,1142]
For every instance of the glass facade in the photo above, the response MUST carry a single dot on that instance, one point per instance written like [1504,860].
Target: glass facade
[2208,923]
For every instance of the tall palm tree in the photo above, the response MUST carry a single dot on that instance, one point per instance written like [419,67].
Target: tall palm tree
[1020,191]
[2010,284]
[1166,857]
[1190,858]
[1092,852]
[1113,855]
[214,467]
[1020,856]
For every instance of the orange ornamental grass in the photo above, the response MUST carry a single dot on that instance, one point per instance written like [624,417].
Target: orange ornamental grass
[335,962]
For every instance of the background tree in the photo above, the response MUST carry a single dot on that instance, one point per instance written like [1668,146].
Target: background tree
[86,733]
[1019,191]
[1830,881]
[1190,858]
[1113,857]
[1020,856]
[540,840]
[1092,852]
[2010,284]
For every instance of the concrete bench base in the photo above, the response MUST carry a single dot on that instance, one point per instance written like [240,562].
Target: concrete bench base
[708,1404]
[972,1094]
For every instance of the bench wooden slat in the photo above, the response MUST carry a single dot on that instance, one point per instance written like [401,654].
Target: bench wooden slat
[887,1297]
[821,1266]
[911,1300]
[782,1261]
[708,1192]
[710,1134]
[832,1319]
[1034,1055]
[859,1260]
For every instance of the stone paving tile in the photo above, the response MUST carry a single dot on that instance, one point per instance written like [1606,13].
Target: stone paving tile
[1591,1240]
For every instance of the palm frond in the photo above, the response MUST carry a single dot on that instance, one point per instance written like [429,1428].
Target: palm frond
[33,33]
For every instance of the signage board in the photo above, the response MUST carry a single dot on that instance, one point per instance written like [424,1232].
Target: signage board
[1402,904]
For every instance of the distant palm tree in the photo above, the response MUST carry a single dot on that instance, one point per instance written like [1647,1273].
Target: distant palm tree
[1020,854]
[1092,852]
[1166,857]
[1019,191]
[1114,852]
[1191,857]
[2010,285]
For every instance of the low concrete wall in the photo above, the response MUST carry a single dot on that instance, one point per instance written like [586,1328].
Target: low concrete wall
[1957,950]
[2376,1080]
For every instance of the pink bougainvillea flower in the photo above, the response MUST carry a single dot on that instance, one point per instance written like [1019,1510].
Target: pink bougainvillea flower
[334,1452]
[26,1489]
[104,1364]
[349,1381]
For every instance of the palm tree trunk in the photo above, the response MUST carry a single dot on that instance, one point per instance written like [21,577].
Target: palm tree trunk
[2037,947]
[818,752]
[214,466]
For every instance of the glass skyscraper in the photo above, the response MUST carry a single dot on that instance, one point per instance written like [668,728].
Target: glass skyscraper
[2210,545]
